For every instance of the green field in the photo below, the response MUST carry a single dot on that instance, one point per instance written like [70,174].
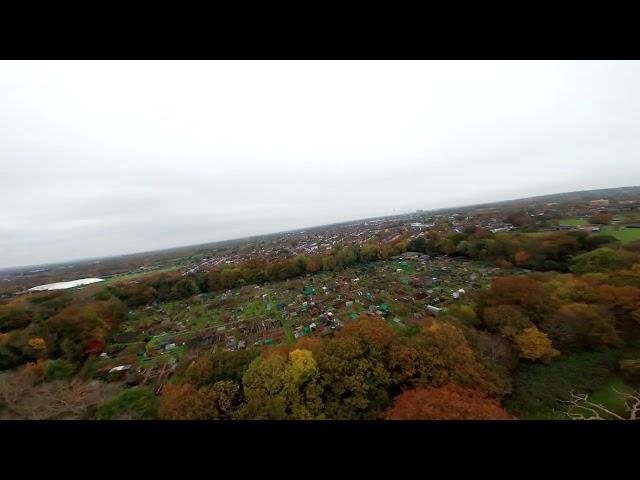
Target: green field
[610,398]
[573,221]
[133,276]
[624,235]
[538,234]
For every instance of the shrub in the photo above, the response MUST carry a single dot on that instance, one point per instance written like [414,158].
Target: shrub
[58,370]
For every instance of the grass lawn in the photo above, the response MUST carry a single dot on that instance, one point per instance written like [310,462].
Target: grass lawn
[288,333]
[132,276]
[573,221]
[625,235]
[609,398]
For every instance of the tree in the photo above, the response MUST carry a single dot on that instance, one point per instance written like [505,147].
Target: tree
[95,346]
[450,402]
[494,348]
[328,263]
[213,367]
[625,298]
[438,355]
[314,264]
[279,387]
[418,244]
[535,345]
[353,378]
[185,288]
[14,316]
[369,329]
[601,218]
[187,402]
[579,325]
[37,343]
[21,397]
[603,260]
[518,219]
[370,252]
[520,291]
[71,328]
[507,320]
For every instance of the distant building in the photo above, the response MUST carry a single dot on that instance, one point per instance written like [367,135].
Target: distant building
[603,202]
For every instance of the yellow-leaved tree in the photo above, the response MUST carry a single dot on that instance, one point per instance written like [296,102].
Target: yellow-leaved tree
[535,345]
[37,343]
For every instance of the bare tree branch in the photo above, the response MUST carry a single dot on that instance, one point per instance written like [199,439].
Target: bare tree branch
[579,405]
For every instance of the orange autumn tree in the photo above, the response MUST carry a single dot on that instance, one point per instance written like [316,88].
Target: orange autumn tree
[187,402]
[520,258]
[450,402]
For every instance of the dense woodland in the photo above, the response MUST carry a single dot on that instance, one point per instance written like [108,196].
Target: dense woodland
[527,343]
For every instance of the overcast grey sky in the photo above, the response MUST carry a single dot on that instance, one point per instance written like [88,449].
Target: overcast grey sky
[101,158]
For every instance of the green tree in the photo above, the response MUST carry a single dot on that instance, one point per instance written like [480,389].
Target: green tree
[354,379]
[185,288]
[603,260]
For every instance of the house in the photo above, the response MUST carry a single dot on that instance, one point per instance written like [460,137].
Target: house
[120,368]
[458,293]
[599,203]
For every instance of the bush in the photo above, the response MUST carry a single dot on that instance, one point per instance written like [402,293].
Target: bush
[103,295]
[9,357]
[58,370]
[138,403]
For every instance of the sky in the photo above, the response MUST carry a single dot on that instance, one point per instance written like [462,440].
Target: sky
[103,158]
